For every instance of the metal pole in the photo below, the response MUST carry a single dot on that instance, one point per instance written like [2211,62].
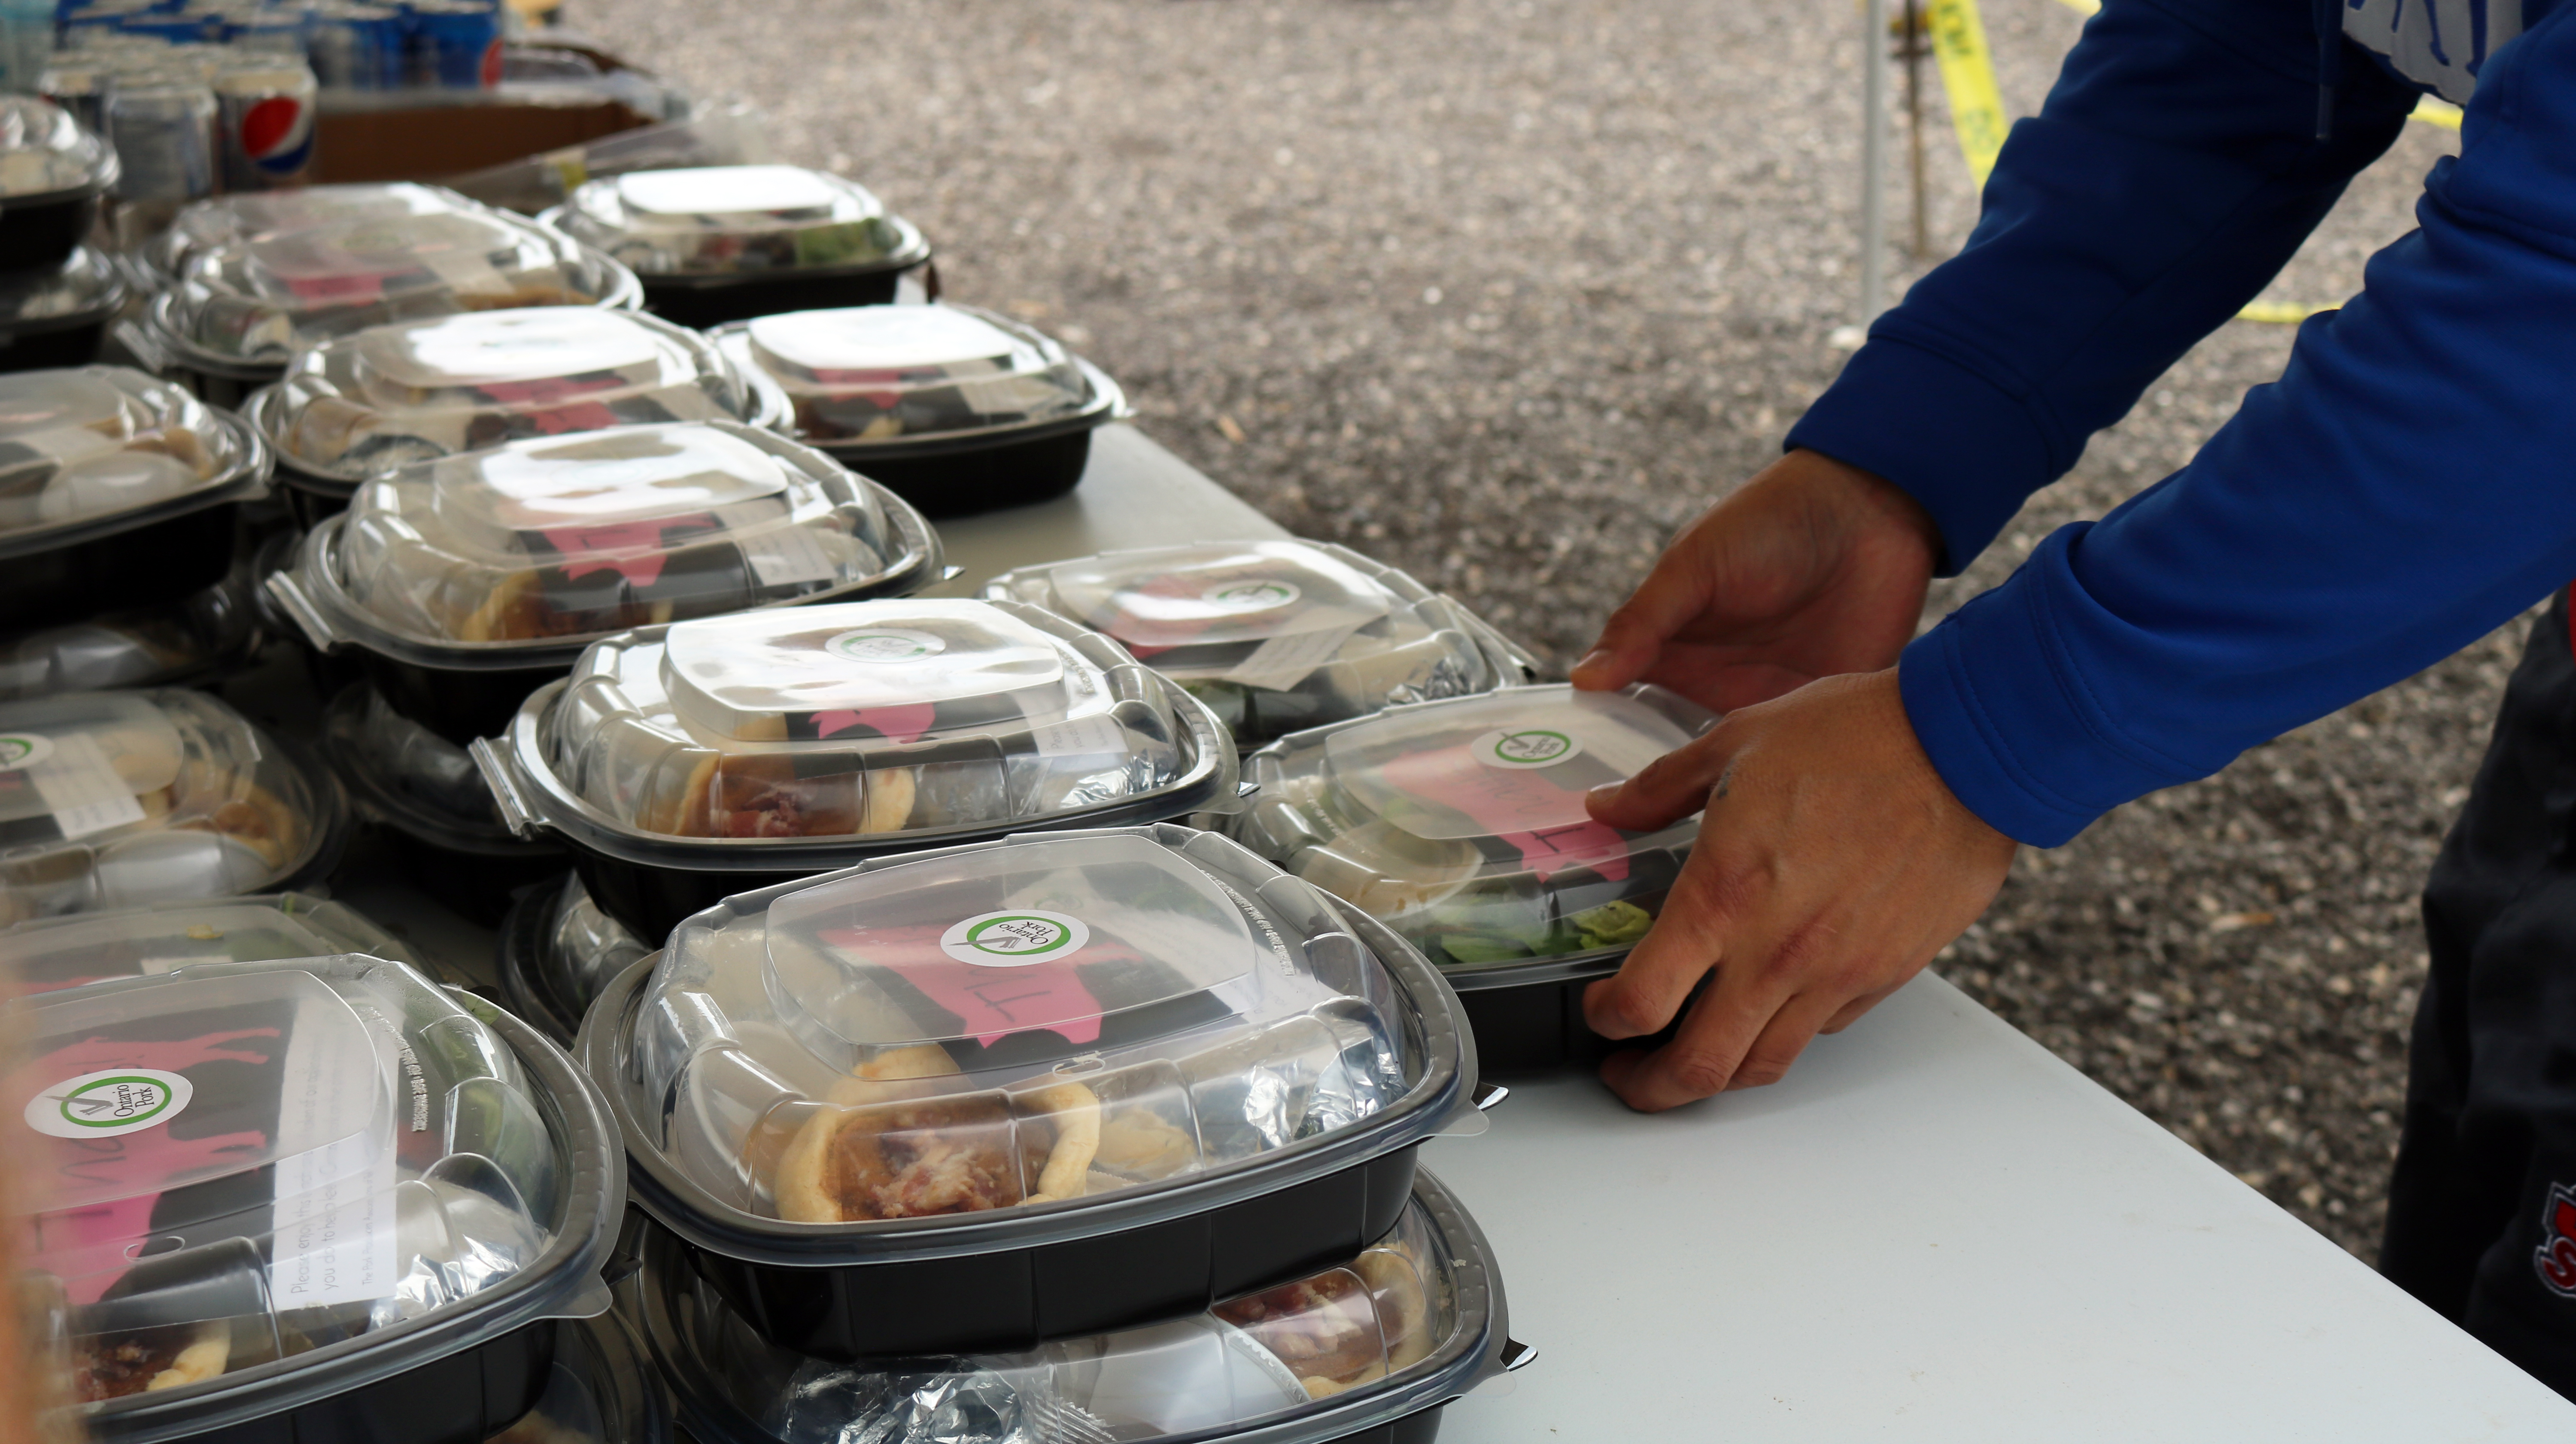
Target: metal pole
[1873,165]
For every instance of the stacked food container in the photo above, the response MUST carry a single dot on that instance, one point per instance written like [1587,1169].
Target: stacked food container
[1121,1123]
[313,1197]
[56,294]
[242,295]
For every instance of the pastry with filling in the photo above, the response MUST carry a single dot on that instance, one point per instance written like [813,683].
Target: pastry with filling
[884,1155]
[145,1361]
[519,611]
[761,795]
[1325,1329]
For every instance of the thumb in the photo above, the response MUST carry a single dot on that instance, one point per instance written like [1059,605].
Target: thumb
[1665,602]
[1667,789]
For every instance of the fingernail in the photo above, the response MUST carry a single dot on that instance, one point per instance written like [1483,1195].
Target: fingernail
[1605,794]
[1597,657]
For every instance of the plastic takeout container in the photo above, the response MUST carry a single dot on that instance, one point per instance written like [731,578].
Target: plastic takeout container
[957,409]
[1368,1350]
[429,803]
[723,243]
[57,315]
[1054,1085]
[558,953]
[312,1198]
[68,952]
[1277,636]
[222,222]
[116,491]
[52,173]
[1460,824]
[466,582]
[111,799]
[196,638]
[238,311]
[365,405]
[734,752]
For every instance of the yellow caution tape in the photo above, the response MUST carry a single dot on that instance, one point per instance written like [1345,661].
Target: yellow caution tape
[2281,313]
[1968,74]
[2434,111]
[2083,7]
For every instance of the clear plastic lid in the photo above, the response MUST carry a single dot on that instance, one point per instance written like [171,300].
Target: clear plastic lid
[737,219]
[83,288]
[478,559]
[868,719]
[229,1165]
[1461,825]
[1035,1021]
[1409,1324]
[1276,636]
[363,405]
[46,155]
[583,947]
[162,937]
[886,376]
[191,637]
[90,451]
[260,298]
[227,221]
[111,799]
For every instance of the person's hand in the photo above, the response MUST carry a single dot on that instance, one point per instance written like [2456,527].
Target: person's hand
[1810,569]
[1833,862]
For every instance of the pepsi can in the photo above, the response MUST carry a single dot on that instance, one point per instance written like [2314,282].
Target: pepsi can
[264,118]
[357,47]
[79,85]
[456,44]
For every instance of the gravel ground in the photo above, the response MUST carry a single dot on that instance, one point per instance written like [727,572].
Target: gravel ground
[1504,290]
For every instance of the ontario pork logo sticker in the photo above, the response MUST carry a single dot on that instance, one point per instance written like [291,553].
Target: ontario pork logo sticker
[1014,939]
[109,1103]
[2556,1256]
[1525,747]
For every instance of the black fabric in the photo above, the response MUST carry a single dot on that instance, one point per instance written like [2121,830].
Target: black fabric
[2482,1204]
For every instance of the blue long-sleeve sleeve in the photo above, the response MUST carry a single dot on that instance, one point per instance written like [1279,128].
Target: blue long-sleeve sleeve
[2408,485]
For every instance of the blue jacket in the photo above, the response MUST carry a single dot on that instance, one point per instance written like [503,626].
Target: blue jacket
[2408,485]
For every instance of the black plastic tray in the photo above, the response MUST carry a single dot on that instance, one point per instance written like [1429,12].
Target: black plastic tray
[76,344]
[464,1397]
[1483,1349]
[651,900]
[1538,1026]
[457,705]
[311,499]
[476,883]
[160,561]
[43,233]
[962,483]
[711,301]
[1174,1256]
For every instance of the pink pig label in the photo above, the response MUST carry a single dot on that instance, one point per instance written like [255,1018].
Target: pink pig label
[1020,977]
[1517,803]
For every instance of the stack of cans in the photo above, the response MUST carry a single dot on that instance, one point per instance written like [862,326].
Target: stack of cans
[189,120]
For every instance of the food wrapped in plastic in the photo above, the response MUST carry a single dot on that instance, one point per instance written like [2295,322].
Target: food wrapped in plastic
[956,408]
[260,1187]
[67,952]
[1461,825]
[1037,1045]
[1277,636]
[1036,1021]
[260,298]
[875,376]
[104,449]
[223,222]
[558,951]
[733,220]
[366,404]
[57,314]
[52,172]
[800,739]
[111,799]
[559,539]
[1412,1322]
[197,636]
